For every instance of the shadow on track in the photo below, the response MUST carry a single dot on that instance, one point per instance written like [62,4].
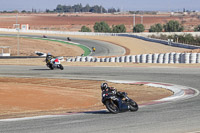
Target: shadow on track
[41,69]
[97,112]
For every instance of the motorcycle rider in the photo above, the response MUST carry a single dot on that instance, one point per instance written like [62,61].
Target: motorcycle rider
[49,57]
[93,49]
[113,91]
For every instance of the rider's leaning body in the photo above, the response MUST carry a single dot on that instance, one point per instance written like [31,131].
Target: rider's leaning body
[49,57]
[112,91]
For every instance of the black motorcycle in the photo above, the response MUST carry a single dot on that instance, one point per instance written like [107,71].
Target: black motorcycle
[118,102]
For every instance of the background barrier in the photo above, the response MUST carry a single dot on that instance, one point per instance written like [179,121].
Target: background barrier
[167,58]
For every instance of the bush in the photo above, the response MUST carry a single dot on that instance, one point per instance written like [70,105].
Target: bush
[85,29]
[173,26]
[156,28]
[138,28]
[119,28]
[185,38]
[197,28]
[101,27]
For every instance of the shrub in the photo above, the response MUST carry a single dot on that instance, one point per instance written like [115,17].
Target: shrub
[85,29]
[197,28]
[173,26]
[138,28]
[119,28]
[156,28]
[101,27]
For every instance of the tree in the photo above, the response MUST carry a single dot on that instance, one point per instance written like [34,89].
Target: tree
[189,39]
[85,29]
[23,11]
[86,8]
[156,28]
[77,7]
[119,28]
[101,27]
[59,8]
[111,10]
[197,28]
[138,28]
[173,26]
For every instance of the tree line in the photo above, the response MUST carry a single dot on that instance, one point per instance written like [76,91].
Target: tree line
[171,26]
[87,8]
[105,28]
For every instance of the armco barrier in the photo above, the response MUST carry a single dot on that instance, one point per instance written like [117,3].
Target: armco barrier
[59,32]
[198,58]
[167,58]
[161,41]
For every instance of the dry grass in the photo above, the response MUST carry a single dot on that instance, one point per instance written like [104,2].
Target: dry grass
[29,46]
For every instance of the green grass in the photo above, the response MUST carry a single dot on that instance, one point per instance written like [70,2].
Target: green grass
[85,49]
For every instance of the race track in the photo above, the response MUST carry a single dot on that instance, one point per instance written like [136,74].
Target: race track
[175,117]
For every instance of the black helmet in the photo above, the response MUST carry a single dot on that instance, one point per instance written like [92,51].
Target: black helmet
[104,86]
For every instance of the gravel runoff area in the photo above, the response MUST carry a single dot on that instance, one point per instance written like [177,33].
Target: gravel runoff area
[22,97]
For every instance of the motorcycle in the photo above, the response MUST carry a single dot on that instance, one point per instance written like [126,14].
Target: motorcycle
[55,63]
[44,36]
[68,39]
[119,102]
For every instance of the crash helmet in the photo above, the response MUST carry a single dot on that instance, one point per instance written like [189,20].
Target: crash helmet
[104,86]
[49,54]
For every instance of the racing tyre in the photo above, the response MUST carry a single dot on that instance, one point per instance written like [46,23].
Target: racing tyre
[61,67]
[112,107]
[51,67]
[133,105]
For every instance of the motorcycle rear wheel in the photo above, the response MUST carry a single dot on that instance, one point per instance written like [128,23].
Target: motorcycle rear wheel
[133,105]
[112,107]
[51,66]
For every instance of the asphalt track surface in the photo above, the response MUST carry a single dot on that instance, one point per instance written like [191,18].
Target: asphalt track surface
[173,117]
[102,48]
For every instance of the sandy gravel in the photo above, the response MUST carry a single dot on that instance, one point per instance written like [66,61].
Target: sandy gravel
[29,96]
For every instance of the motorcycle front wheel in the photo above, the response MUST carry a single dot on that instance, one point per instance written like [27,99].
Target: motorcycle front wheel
[133,105]
[112,107]
[61,67]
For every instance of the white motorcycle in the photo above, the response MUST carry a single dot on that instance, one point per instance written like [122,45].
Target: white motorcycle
[55,63]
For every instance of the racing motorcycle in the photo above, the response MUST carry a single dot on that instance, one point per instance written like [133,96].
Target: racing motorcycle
[118,102]
[55,63]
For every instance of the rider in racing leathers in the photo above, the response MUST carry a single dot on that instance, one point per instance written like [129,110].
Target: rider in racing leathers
[112,91]
[49,57]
